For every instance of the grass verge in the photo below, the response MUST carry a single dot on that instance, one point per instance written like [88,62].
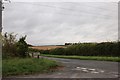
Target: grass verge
[99,58]
[25,66]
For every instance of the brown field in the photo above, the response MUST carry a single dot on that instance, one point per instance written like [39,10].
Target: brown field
[46,47]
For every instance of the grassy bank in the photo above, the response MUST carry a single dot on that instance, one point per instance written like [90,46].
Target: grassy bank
[99,58]
[24,66]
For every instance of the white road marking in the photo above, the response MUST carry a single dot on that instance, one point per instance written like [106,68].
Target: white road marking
[83,68]
[102,71]
[94,72]
[116,75]
[59,73]
[91,69]
[77,67]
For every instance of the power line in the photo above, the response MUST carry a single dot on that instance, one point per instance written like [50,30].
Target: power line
[93,6]
[8,1]
[73,10]
[85,12]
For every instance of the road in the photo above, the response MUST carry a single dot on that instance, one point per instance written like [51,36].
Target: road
[74,68]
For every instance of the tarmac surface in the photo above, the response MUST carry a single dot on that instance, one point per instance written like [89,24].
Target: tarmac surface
[74,68]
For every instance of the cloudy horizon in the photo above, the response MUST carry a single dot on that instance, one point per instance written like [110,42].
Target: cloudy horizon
[55,23]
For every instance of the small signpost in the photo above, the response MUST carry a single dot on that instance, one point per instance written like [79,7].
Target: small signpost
[35,54]
[38,54]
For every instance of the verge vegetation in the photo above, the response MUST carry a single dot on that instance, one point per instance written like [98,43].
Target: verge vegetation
[16,58]
[99,58]
[23,66]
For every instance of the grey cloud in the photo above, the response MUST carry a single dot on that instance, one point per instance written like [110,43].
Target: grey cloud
[64,22]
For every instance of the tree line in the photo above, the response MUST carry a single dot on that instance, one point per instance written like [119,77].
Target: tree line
[87,49]
[11,47]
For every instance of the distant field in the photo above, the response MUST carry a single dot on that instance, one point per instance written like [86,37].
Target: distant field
[46,47]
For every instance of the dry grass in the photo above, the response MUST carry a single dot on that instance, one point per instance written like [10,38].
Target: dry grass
[46,47]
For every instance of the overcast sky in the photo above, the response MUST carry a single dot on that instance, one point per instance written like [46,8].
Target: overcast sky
[55,23]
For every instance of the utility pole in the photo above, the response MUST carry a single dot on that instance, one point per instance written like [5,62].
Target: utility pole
[0,39]
[1,16]
[118,36]
[1,9]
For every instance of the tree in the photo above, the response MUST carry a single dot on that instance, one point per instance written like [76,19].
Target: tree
[9,44]
[22,47]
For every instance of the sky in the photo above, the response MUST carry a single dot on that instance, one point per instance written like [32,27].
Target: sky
[55,23]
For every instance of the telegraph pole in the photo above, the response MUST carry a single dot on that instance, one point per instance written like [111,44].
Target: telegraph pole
[0,16]
[0,39]
[1,9]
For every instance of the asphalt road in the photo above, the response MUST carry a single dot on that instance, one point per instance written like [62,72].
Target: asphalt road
[80,69]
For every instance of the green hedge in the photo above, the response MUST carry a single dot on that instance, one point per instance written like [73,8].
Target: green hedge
[89,49]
